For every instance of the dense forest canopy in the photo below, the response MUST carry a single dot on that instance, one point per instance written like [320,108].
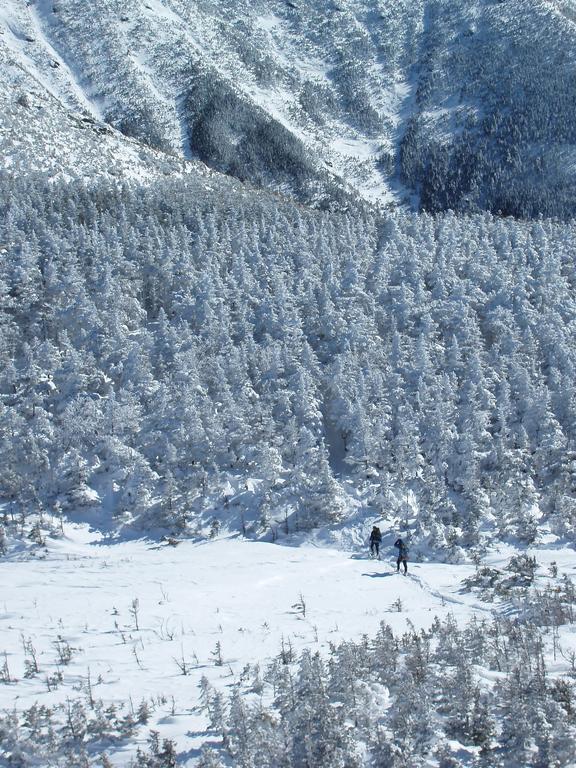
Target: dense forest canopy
[162,344]
[270,268]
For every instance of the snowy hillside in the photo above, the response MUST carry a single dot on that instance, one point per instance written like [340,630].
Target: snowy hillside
[234,653]
[40,134]
[457,105]
[246,88]
[272,272]
[187,353]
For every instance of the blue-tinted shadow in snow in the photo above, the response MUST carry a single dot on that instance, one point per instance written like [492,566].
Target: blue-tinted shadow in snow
[379,575]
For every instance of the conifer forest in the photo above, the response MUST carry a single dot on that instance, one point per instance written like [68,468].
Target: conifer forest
[273,273]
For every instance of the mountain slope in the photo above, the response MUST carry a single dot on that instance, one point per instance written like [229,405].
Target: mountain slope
[494,127]
[39,134]
[444,104]
[427,361]
[222,84]
[193,366]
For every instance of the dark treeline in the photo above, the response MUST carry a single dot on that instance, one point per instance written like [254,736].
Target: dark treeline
[492,128]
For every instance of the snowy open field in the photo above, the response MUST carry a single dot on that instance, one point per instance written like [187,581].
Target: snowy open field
[228,598]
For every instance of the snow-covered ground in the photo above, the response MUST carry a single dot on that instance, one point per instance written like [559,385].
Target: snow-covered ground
[134,613]
[36,37]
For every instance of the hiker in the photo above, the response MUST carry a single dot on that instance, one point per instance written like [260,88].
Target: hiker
[402,554]
[375,539]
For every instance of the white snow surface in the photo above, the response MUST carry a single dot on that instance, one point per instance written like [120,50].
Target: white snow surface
[239,593]
[29,38]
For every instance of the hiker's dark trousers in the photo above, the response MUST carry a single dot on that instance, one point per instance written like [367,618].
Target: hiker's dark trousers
[375,548]
[402,559]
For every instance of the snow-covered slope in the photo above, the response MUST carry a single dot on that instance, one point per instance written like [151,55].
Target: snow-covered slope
[106,644]
[456,105]
[187,357]
[41,134]
[241,87]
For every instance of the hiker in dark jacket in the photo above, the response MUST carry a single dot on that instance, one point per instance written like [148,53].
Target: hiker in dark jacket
[375,539]
[402,554]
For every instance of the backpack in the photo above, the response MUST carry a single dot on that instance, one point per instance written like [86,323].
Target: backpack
[376,534]
[401,547]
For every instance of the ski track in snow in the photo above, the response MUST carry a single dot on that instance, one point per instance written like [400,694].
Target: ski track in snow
[244,595]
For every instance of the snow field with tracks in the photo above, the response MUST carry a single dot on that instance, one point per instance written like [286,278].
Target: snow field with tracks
[137,615]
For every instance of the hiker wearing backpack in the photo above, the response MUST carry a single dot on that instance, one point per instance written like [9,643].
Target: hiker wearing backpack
[402,554]
[375,539]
